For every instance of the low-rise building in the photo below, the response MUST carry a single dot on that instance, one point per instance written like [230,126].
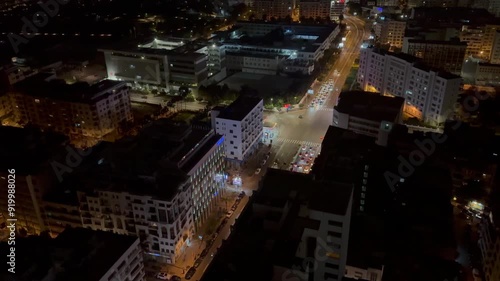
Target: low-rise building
[76,110]
[370,114]
[241,124]
[77,254]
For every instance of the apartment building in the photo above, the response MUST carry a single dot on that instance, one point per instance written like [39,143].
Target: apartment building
[392,32]
[487,74]
[158,211]
[78,254]
[241,124]
[446,55]
[495,49]
[254,63]
[429,94]
[474,37]
[28,152]
[267,9]
[72,109]
[336,10]
[489,246]
[314,8]
[368,113]
[5,103]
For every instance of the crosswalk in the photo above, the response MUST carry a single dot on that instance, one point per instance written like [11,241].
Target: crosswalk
[306,143]
[325,109]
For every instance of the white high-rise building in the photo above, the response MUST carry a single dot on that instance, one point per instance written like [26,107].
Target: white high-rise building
[429,94]
[241,124]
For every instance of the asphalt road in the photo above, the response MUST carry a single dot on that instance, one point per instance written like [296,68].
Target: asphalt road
[310,129]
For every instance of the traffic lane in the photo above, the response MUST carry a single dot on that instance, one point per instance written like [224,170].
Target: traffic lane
[223,234]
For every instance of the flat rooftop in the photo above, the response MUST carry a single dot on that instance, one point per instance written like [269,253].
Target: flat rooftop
[39,86]
[371,106]
[330,197]
[240,108]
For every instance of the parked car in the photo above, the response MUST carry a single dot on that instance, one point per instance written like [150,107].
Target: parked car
[242,194]
[229,214]
[163,276]
[258,171]
[204,253]
[190,273]
[176,278]
[197,263]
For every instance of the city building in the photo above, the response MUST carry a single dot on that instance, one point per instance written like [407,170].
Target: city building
[162,64]
[473,35]
[274,48]
[337,10]
[77,254]
[267,9]
[160,186]
[291,220]
[489,246]
[76,110]
[495,48]
[241,124]
[446,55]
[429,94]
[392,32]
[488,74]
[314,8]
[30,153]
[370,114]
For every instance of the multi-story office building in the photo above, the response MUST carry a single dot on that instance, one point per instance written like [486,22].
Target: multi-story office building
[299,48]
[29,153]
[369,114]
[159,64]
[392,32]
[75,110]
[267,9]
[78,254]
[241,124]
[314,8]
[446,55]
[489,245]
[495,49]
[429,94]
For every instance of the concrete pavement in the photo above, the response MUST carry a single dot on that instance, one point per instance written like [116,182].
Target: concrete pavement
[311,128]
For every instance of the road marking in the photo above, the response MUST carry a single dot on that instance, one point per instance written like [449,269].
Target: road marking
[306,143]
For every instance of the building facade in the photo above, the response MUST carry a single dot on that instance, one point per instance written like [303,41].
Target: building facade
[489,246]
[429,94]
[90,111]
[392,32]
[495,49]
[241,124]
[164,224]
[446,55]
[267,9]
[314,9]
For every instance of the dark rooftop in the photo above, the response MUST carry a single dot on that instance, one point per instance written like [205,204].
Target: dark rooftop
[330,197]
[283,183]
[372,106]
[28,149]
[39,86]
[240,108]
